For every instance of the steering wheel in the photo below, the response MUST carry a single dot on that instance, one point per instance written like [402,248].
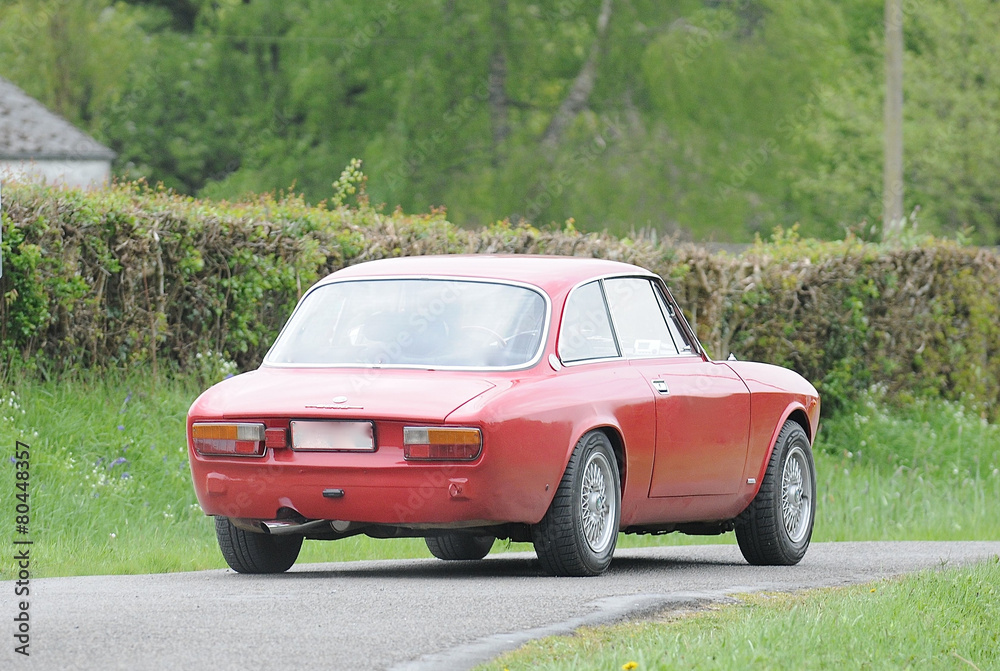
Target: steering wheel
[495,337]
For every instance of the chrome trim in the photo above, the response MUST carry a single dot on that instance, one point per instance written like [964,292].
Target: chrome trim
[682,320]
[667,296]
[572,364]
[698,350]
[546,322]
[607,311]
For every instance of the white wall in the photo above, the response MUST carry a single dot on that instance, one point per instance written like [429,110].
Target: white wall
[70,173]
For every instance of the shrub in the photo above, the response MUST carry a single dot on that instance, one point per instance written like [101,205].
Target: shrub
[135,275]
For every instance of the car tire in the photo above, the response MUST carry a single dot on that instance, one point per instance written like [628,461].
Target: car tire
[249,552]
[578,534]
[776,528]
[459,547]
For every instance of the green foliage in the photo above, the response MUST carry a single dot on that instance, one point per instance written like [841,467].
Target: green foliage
[350,180]
[134,275]
[848,314]
[706,119]
[108,468]
[72,55]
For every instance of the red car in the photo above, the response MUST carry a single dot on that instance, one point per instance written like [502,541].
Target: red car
[462,399]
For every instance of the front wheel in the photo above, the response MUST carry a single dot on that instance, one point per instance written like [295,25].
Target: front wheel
[776,528]
[249,552]
[578,534]
[459,547]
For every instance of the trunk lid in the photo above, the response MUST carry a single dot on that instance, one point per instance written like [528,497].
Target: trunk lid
[389,394]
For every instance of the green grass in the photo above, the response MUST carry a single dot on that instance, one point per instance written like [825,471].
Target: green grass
[110,486]
[931,620]
[929,471]
[111,489]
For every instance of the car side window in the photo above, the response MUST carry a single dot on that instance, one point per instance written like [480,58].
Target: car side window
[639,320]
[680,340]
[586,328]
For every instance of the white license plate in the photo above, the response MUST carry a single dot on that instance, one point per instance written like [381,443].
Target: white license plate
[333,436]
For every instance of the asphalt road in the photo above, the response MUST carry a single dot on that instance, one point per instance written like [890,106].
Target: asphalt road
[410,614]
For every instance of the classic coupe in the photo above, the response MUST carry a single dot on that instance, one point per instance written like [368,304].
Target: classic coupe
[552,400]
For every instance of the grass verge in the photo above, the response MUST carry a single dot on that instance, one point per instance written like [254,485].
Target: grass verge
[111,490]
[110,486]
[932,620]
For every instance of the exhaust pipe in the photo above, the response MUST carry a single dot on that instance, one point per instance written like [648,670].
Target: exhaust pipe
[286,527]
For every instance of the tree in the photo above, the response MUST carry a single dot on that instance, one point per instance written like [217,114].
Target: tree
[579,92]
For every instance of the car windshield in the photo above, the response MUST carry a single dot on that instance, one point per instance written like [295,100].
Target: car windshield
[414,322]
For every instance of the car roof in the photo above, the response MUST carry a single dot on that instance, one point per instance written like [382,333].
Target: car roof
[550,273]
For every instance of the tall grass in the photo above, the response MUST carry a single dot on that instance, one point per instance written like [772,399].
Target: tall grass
[927,471]
[110,487]
[111,490]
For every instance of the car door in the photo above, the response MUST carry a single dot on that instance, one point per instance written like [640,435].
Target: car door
[702,407]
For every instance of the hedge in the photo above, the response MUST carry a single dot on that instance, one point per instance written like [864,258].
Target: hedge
[133,275]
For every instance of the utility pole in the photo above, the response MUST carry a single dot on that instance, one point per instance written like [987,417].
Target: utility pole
[892,175]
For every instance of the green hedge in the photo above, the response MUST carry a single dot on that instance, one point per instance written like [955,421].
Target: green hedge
[134,275]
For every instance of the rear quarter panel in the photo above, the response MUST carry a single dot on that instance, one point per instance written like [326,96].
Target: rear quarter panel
[532,425]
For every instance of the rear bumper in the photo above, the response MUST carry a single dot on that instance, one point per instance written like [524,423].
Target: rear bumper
[377,487]
[424,495]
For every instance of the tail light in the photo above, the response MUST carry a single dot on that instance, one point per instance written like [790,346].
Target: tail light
[441,443]
[228,439]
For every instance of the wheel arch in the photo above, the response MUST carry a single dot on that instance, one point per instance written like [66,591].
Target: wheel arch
[613,432]
[614,436]
[798,415]
[795,412]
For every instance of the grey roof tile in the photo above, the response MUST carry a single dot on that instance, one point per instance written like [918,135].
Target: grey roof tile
[28,130]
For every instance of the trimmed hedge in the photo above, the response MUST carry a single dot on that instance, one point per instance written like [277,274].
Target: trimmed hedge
[133,275]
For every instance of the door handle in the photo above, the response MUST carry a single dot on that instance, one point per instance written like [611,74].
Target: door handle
[661,386]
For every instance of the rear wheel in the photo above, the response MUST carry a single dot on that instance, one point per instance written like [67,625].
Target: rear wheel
[578,534]
[249,552]
[459,547]
[776,528]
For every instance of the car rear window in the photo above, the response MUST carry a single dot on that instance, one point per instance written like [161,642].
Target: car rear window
[414,323]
